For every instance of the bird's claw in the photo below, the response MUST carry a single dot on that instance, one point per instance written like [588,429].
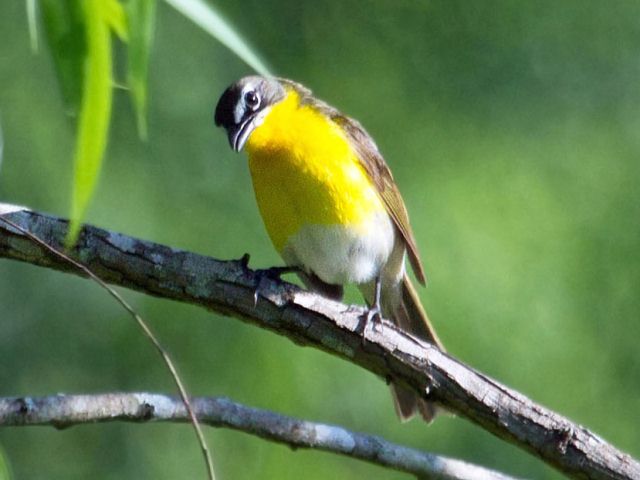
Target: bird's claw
[373,315]
[272,273]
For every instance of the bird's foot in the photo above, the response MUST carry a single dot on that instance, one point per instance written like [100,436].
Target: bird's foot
[272,273]
[374,316]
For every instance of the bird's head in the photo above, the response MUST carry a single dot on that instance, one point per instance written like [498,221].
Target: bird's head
[243,106]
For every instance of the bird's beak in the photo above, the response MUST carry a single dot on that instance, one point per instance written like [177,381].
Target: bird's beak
[238,134]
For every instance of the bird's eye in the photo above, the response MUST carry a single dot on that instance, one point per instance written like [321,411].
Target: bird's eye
[252,99]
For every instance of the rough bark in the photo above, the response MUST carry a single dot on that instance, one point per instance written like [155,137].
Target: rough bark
[227,287]
[62,411]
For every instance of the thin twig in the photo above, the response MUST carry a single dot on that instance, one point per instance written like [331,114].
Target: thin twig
[145,328]
[63,411]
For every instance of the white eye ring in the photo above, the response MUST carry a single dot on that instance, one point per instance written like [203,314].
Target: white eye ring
[252,100]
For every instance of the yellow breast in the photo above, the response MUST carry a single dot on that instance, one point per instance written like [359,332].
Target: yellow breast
[305,172]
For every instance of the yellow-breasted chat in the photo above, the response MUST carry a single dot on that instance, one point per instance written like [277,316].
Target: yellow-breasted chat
[329,203]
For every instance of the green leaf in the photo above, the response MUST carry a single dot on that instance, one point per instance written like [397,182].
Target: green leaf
[93,124]
[114,15]
[5,470]
[209,20]
[33,25]
[141,15]
[65,32]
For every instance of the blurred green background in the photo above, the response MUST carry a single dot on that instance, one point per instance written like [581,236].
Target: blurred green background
[513,130]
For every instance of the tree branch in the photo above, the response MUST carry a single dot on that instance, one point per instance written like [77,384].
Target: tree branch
[62,411]
[227,287]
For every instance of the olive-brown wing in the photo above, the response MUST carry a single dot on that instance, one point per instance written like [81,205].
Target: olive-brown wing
[375,167]
[381,176]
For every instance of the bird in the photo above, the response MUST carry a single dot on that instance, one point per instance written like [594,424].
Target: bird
[330,204]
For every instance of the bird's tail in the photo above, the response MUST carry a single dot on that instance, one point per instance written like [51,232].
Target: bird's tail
[407,312]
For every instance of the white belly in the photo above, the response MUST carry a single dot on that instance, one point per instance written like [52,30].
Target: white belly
[339,254]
